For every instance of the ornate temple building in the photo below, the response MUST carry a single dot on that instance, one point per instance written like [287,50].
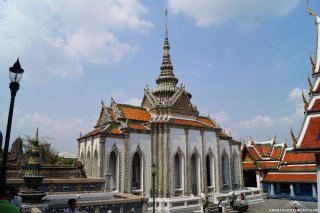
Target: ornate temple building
[191,152]
[308,140]
[279,171]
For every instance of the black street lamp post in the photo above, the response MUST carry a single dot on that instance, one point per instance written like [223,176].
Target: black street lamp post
[153,187]
[15,75]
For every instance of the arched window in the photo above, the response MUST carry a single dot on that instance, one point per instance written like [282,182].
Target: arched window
[210,170]
[225,168]
[114,171]
[136,178]
[195,174]
[178,168]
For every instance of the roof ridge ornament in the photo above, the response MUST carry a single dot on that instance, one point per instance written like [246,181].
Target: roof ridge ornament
[313,65]
[311,12]
[310,84]
[304,101]
[294,140]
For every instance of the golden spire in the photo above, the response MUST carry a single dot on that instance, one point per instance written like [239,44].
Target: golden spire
[304,101]
[313,65]
[311,12]
[294,140]
[310,84]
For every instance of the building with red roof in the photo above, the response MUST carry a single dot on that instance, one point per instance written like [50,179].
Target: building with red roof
[192,154]
[279,171]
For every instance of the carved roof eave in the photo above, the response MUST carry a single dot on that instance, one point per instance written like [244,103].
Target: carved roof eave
[117,111]
[152,98]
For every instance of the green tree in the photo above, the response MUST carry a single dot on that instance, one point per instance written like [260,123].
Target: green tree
[48,154]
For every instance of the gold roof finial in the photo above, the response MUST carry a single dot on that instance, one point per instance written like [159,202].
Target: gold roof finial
[310,84]
[313,65]
[304,101]
[294,140]
[311,12]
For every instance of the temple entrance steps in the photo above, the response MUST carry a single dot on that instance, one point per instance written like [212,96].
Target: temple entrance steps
[212,208]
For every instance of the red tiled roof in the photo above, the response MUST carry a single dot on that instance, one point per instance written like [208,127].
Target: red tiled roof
[309,140]
[206,121]
[276,152]
[316,105]
[298,168]
[137,126]
[263,149]
[113,115]
[115,130]
[135,113]
[249,165]
[291,157]
[189,123]
[92,133]
[253,152]
[267,164]
[290,177]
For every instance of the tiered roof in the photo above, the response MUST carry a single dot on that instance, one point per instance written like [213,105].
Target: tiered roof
[309,137]
[167,103]
[280,164]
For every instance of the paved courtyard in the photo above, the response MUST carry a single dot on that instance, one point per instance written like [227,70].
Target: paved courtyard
[280,205]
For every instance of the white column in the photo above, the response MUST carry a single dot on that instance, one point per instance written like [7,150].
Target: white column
[258,180]
[271,189]
[314,191]
[291,190]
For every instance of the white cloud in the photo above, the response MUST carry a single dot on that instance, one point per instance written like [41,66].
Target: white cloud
[262,127]
[295,95]
[54,38]
[134,101]
[217,12]
[63,131]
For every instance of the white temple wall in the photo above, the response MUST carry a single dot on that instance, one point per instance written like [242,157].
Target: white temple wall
[210,141]
[194,141]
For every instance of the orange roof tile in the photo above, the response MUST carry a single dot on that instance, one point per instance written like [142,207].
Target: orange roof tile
[113,115]
[316,105]
[189,123]
[291,157]
[206,121]
[137,126]
[115,130]
[253,152]
[276,152]
[263,149]
[298,168]
[310,140]
[290,177]
[135,113]
[249,165]
[267,164]
[92,133]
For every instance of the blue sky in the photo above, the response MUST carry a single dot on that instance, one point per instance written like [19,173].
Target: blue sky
[245,62]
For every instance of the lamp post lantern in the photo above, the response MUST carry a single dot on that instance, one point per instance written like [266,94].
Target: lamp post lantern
[153,187]
[15,75]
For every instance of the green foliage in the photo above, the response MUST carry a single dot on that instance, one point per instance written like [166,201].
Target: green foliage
[48,154]
[67,161]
